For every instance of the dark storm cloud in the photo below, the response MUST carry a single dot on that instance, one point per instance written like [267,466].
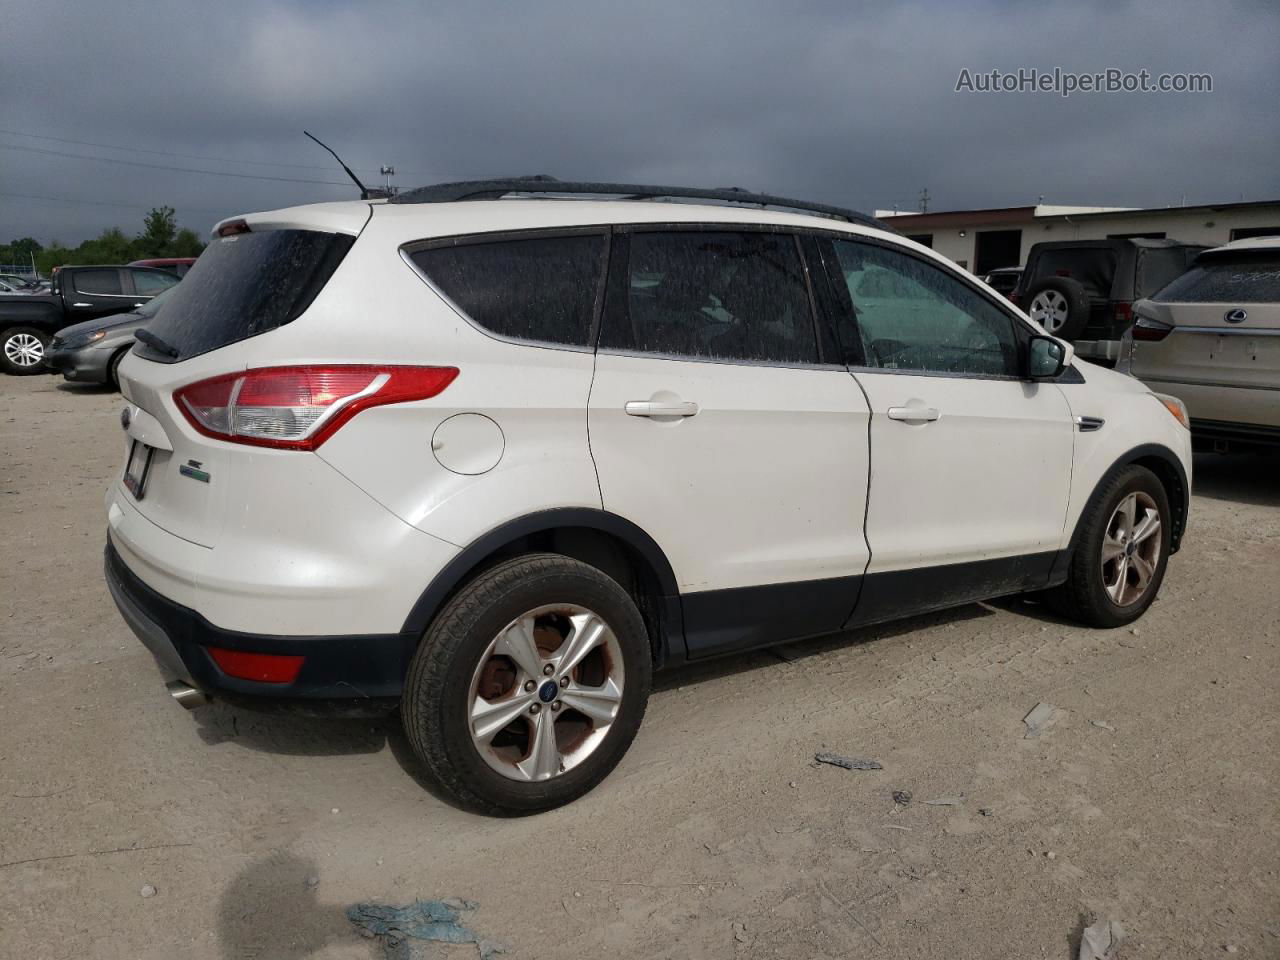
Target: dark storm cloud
[843,102]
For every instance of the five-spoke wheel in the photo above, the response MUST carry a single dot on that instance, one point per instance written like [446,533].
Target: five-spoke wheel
[546,692]
[1131,549]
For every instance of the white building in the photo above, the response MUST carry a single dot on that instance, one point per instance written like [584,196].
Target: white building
[982,240]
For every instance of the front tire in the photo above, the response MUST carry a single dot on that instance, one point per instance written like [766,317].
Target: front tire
[22,350]
[1121,552]
[529,685]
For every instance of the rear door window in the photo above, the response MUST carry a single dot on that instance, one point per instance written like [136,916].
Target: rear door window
[243,285]
[103,283]
[148,284]
[1232,280]
[542,289]
[714,296]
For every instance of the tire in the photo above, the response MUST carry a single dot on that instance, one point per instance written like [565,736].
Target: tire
[113,368]
[1085,596]
[1060,305]
[465,652]
[22,350]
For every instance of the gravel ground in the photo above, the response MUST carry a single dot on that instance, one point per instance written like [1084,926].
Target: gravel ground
[1151,799]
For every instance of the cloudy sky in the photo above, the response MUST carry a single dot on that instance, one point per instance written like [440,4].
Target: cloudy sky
[840,101]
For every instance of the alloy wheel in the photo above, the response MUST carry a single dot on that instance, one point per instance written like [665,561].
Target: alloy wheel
[545,692]
[1049,309]
[24,350]
[1131,549]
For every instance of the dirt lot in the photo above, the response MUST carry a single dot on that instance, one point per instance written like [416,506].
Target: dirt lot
[1165,818]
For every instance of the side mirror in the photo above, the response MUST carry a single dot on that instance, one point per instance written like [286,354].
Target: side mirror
[1046,358]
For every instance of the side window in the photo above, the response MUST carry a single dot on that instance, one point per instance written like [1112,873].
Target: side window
[715,296]
[911,315]
[540,288]
[149,284]
[101,282]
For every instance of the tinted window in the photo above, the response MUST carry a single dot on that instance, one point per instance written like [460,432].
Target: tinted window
[244,285]
[911,315]
[542,288]
[1234,280]
[102,282]
[723,296]
[149,284]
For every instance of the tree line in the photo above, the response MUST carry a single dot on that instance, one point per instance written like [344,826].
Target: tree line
[160,237]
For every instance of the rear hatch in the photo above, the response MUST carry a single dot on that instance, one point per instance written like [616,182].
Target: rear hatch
[1224,320]
[250,281]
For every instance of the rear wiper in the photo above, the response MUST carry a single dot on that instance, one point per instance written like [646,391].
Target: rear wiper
[151,340]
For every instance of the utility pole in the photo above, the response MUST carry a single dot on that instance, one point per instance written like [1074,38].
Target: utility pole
[388,172]
[924,200]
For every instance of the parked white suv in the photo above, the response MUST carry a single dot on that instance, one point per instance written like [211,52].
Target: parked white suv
[495,459]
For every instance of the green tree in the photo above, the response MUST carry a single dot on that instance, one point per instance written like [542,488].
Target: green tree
[110,246]
[159,229]
[54,255]
[186,244]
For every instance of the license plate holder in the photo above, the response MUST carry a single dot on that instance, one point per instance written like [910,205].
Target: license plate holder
[137,467]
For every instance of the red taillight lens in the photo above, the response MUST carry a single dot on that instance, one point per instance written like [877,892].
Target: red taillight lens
[262,667]
[299,408]
[1124,314]
[1144,328]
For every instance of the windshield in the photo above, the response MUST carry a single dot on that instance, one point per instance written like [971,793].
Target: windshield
[243,285]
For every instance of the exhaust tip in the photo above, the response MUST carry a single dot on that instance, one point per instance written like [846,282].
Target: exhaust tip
[186,695]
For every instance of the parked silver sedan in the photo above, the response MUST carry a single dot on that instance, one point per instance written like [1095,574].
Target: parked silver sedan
[1212,339]
[90,352]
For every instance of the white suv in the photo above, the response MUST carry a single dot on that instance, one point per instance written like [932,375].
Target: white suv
[493,452]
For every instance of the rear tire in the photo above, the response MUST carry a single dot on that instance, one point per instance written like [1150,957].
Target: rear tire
[505,645]
[1119,558]
[22,350]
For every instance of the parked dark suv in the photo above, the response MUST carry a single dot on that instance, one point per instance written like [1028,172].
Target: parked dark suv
[1083,290]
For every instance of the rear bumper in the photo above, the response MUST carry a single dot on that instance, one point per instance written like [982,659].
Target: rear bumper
[368,668]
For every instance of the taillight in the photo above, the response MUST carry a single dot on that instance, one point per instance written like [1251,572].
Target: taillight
[1013,298]
[1144,328]
[1124,314]
[299,408]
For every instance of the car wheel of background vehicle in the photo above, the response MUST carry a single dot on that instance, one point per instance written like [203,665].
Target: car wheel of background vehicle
[1121,552]
[113,368]
[1060,305]
[529,685]
[22,350]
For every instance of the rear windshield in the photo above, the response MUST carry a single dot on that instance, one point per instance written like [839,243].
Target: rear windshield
[1157,268]
[1235,280]
[244,285]
[1093,267]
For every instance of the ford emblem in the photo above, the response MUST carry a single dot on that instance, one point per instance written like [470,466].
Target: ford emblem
[1235,316]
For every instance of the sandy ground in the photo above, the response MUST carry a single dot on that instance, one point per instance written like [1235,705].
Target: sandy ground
[1165,819]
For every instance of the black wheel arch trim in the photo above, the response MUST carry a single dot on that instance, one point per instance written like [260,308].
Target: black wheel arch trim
[545,521]
[1179,500]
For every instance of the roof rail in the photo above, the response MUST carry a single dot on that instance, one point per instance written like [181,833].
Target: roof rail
[543,184]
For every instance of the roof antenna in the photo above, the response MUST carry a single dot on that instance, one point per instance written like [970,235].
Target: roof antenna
[364,191]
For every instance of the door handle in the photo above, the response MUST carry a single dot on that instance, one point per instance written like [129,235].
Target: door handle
[660,408]
[82,304]
[914,414]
